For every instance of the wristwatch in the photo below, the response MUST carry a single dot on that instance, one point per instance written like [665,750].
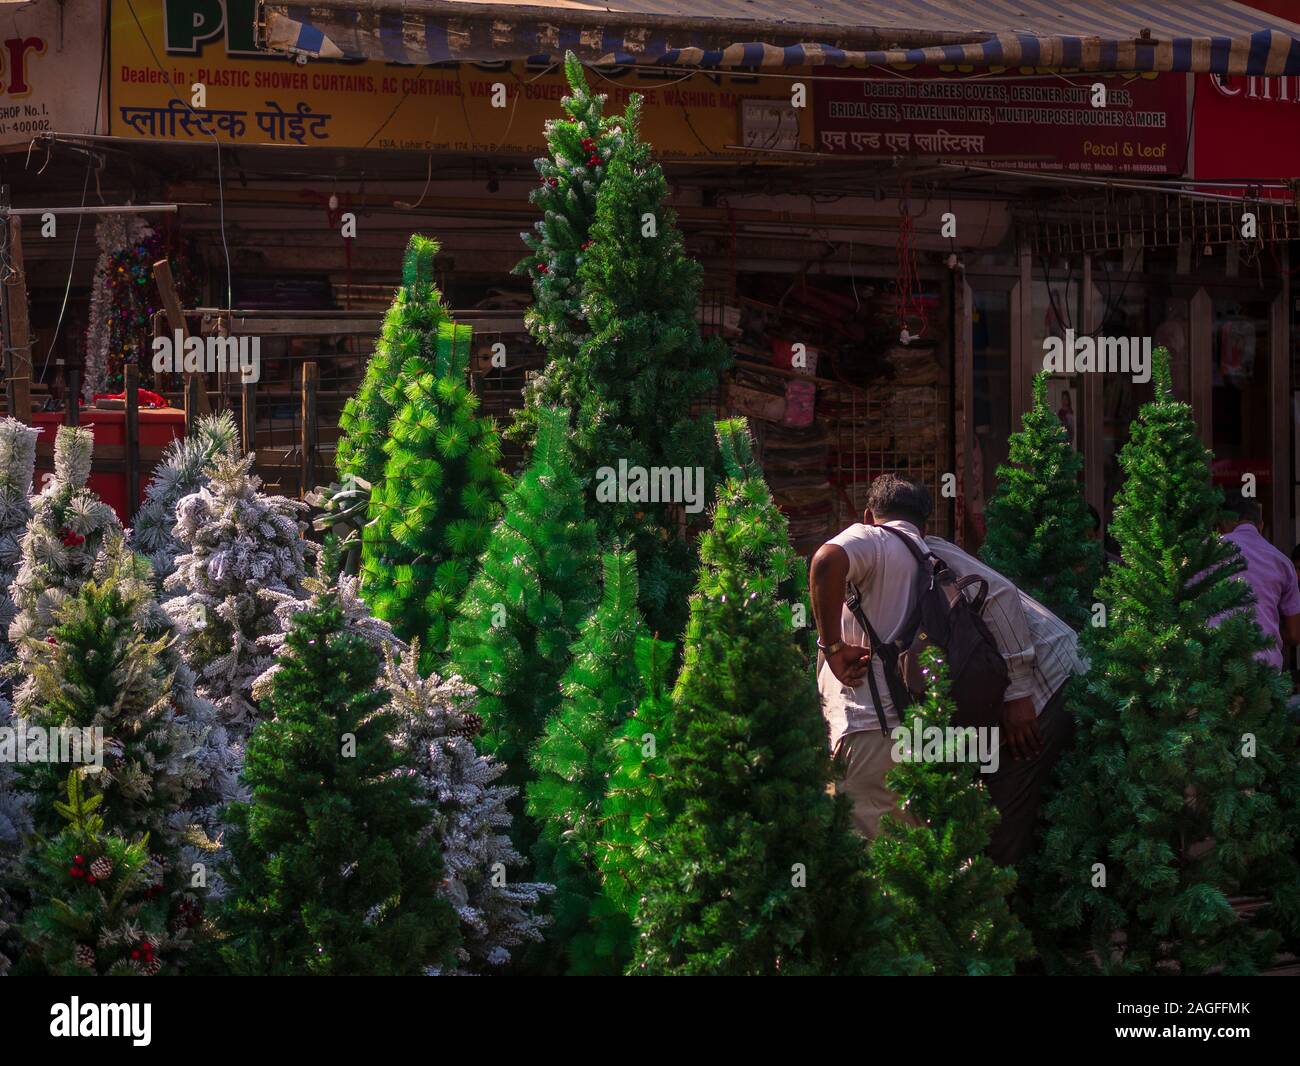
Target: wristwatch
[832,649]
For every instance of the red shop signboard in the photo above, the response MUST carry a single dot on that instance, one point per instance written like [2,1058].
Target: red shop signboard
[1246,128]
[1017,122]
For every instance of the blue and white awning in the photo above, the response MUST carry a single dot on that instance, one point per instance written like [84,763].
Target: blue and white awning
[1203,36]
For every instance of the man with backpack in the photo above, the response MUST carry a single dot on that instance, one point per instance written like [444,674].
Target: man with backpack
[881,590]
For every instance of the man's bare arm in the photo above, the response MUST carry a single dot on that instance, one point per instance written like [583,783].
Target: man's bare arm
[830,570]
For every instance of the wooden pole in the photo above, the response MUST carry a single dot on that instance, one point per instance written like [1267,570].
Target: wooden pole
[248,417]
[72,393]
[310,433]
[192,393]
[18,351]
[162,274]
[131,385]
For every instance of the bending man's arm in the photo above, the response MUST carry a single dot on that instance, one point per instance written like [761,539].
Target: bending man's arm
[830,570]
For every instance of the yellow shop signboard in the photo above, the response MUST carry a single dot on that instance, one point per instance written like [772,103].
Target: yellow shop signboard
[189,70]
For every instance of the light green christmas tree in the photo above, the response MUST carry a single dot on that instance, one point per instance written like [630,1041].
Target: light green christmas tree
[416,327]
[440,491]
[1038,520]
[1180,790]
[572,762]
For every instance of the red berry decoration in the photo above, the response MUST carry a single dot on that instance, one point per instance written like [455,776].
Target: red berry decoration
[80,860]
[594,160]
[542,268]
[554,183]
[91,879]
[135,953]
[50,640]
[73,539]
[76,871]
[586,245]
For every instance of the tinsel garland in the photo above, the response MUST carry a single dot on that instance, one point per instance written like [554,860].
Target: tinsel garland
[123,301]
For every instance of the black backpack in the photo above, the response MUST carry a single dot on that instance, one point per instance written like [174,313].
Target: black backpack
[946,617]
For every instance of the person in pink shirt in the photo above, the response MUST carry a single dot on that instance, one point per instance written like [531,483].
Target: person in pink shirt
[1269,573]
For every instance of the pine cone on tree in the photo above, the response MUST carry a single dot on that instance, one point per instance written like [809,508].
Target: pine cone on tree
[85,956]
[102,867]
[469,726]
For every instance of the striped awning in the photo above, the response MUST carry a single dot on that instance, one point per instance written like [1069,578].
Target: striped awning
[1205,36]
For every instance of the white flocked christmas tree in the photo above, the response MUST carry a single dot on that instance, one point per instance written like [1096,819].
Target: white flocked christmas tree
[470,817]
[67,529]
[470,814]
[17,461]
[184,469]
[241,549]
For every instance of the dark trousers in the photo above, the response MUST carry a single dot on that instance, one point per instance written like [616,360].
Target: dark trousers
[1017,786]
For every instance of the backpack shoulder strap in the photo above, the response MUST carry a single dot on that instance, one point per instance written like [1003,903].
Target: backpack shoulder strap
[921,557]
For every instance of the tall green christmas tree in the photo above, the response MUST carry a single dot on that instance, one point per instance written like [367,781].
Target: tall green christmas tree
[572,763]
[581,145]
[521,612]
[633,814]
[1038,519]
[758,871]
[97,904]
[1181,788]
[440,491]
[331,864]
[949,899]
[416,331]
[639,366]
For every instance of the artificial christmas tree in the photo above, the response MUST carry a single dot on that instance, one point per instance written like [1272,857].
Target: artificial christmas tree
[416,333]
[332,867]
[949,899]
[437,724]
[572,762]
[240,549]
[756,870]
[107,664]
[581,146]
[1038,521]
[521,612]
[66,531]
[183,470]
[632,811]
[17,462]
[1181,788]
[638,372]
[438,498]
[98,907]
[748,535]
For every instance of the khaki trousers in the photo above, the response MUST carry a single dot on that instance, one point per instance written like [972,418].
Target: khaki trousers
[861,761]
